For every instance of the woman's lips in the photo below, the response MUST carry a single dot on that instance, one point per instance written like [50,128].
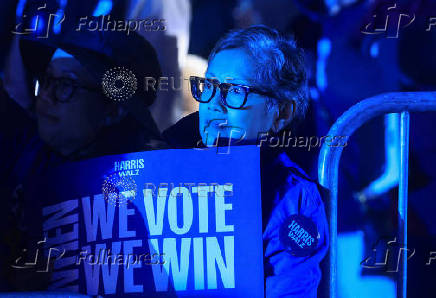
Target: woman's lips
[222,126]
[216,124]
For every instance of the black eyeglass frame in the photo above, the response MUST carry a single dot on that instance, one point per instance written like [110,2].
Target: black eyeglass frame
[224,88]
[56,83]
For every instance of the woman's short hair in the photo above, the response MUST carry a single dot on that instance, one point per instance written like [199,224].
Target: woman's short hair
[280,65]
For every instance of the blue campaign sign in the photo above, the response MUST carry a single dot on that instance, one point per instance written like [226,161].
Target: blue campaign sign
[166,223]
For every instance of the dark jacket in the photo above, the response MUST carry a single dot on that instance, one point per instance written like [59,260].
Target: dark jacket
[23,155]
[286,191]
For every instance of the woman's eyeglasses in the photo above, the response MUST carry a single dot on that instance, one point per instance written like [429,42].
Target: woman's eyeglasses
[232,95]
[63,88]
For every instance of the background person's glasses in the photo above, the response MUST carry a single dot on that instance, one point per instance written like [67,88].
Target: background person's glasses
[63,88]
[232,95]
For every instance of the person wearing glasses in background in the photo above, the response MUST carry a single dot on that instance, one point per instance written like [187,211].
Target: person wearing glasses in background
[256,83]
[75,120]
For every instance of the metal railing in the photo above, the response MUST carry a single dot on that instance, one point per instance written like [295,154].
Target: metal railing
[328,165]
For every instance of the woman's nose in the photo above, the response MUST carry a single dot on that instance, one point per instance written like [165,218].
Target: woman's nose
[216,103]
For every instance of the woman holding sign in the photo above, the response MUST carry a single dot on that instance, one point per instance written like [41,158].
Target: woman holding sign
[254,90]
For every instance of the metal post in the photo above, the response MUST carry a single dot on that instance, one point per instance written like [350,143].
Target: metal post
[402,204]
[330,155]
[334,242]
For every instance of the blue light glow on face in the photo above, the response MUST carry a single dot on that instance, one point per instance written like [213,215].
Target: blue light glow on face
[219,121]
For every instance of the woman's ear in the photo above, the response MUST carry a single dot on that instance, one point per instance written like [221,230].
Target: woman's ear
[284,115]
